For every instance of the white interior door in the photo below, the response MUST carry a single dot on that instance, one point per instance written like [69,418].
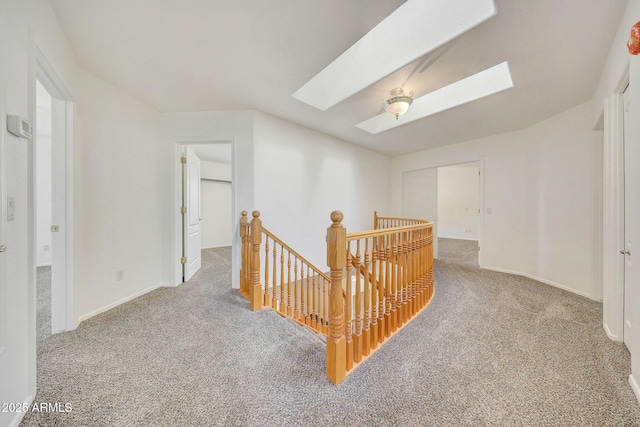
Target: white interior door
[626,249]
[191,218]
[420,198]
[58,218]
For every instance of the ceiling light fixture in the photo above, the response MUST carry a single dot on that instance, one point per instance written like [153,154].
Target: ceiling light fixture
[399,102]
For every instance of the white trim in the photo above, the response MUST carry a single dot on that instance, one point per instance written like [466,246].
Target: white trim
[218,246]
[611,336]
[20,415]
[457,238]
[538,279]
[634,387]
[121,301]
[50,79]
[613,217]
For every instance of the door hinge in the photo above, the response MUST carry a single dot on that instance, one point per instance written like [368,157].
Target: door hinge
[183,260]
[183,160]
[183,210]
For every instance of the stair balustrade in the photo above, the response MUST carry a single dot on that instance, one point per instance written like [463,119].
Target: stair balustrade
[378,281]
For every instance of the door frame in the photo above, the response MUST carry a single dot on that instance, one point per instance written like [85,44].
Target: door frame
[63,307]
[176,200]
[613,213]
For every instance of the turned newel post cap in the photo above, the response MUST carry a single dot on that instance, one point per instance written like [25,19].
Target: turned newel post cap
[336,217]
[255,214]
[243,213]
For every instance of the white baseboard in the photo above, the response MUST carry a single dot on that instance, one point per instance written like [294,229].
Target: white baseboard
[538,279]
[458,238]
[634,387]
[17,419]
[612,337]
[218,246]
[121,301]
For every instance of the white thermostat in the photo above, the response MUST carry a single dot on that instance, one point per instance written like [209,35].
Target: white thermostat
[19,127]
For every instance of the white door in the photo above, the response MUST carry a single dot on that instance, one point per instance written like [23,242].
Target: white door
[420,198]
[191,218]
[626,249]
[59,298]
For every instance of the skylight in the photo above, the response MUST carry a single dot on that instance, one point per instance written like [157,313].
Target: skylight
[484,83]
[413,30]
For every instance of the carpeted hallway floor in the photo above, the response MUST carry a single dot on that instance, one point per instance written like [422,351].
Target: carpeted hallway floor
[491,350]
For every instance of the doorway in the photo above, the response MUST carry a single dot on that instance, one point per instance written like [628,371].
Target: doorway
[452,197]
[459,212]
[52,201]
[204,202]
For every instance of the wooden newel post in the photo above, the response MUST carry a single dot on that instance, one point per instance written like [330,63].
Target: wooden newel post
[336,261]
[375,220]
[255,292]
[244,264]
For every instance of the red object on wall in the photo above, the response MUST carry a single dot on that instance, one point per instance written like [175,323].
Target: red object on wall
[634,41]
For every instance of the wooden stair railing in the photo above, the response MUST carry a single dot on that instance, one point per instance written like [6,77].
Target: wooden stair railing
[290,284]
[379,280]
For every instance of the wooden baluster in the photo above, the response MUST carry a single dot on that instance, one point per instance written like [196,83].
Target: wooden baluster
[412,273]
[266,272]
[303,294]
[357,339]
[366,337]
[296,303]
[274,296]
[314,306]
[382,284]
[387,287]
[307,319]
[375,284]
[348,327]
[256,239]
[289,290]
[400,274]
[327,304]
[394,281]
[336,260]
[244,235]
[283,300]
[406,313]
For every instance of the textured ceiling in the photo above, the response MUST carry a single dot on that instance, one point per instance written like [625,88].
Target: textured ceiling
[199,55]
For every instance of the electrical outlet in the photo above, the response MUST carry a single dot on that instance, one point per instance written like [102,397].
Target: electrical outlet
[46,248]
[119,275]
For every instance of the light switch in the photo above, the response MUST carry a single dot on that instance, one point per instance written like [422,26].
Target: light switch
[11,209]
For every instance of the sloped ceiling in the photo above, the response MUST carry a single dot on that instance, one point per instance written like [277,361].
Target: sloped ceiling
[200,55]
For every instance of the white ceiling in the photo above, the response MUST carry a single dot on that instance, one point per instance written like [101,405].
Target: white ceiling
[198,55]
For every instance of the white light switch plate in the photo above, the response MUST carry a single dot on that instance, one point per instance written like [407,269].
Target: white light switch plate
[11,209]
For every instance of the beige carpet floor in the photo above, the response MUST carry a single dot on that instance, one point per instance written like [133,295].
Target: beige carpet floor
[491,350]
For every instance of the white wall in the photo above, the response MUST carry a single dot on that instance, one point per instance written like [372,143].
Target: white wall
[538,188]
[43,176]
[458,201]
[215,205]
[121,198]
[301,176]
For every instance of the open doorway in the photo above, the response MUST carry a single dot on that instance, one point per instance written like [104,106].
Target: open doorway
[43,211]
[459,213]
[458,223]
[51,207]
[205,203]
